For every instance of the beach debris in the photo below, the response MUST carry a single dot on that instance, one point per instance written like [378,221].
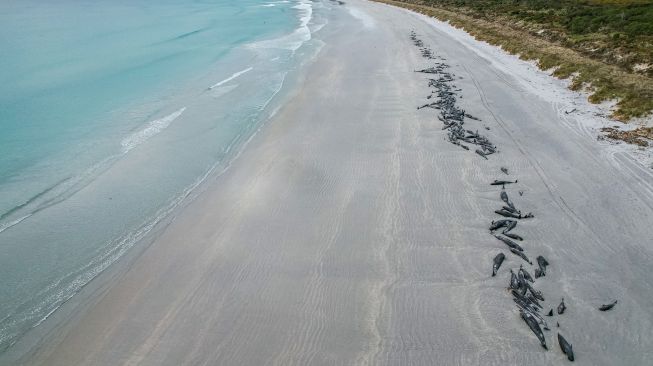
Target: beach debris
[608,306]
[641,136]
[562,307]
[566,347]
[497,263]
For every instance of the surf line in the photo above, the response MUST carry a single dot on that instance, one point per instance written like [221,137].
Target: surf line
[235,75]
[153,128]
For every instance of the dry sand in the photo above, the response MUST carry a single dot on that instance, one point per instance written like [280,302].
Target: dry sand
[349,232]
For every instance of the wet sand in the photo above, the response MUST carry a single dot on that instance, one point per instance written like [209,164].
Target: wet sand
[350,232]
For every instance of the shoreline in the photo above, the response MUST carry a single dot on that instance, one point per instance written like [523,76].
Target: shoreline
[159,154]
[326,241]
[63,317]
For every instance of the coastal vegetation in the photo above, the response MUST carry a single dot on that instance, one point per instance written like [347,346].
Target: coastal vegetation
[604,46]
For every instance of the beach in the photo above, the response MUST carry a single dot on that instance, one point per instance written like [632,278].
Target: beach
[349,231]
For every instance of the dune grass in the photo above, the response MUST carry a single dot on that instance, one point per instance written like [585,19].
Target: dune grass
[557,35]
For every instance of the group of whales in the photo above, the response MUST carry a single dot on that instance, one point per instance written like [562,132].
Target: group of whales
[521,282]
[452,116]
[525,296]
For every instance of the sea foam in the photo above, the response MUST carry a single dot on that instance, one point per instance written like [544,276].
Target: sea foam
[298,37]
[235,75]
[153,128]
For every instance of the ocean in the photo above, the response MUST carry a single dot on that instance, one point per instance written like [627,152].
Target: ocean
[112,114]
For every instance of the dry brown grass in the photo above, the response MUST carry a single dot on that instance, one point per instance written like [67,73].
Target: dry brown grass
[640,136]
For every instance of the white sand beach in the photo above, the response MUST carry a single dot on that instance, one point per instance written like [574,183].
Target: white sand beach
[351,232]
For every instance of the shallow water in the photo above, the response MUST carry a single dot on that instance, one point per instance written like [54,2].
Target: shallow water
[111,114]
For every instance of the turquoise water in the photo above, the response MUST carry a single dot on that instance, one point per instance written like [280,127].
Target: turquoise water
[111,113]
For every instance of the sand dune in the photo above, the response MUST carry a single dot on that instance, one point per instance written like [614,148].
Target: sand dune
[350,232]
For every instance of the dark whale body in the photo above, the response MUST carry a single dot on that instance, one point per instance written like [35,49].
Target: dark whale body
[566,347]
[497,263]
[504,198]
[505,213]
[532,323]
[502,182]
[513,236]
[526,275]
[495,225]
[511,225]
[562,307]
[542,263]
[521,255]
[608,306]
[514,281]
[510,243]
